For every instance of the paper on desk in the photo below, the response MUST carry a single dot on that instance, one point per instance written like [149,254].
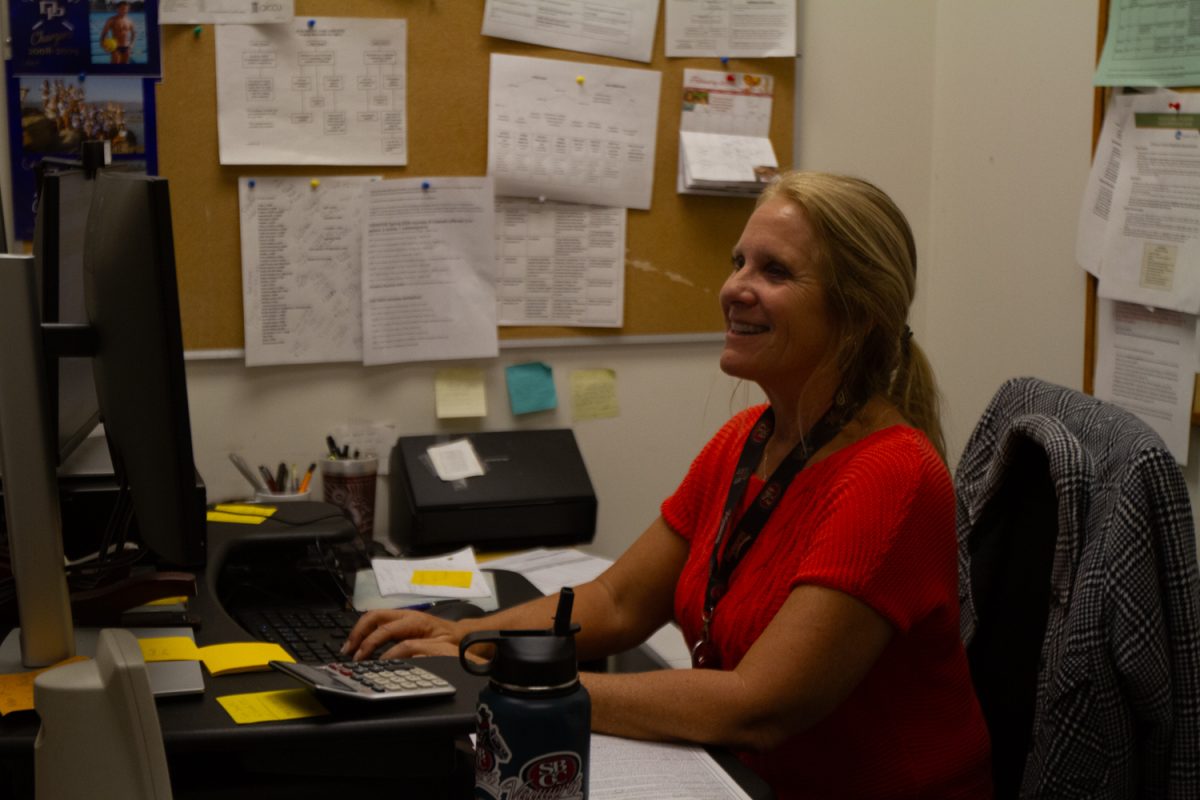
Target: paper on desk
[627,769]
[421,575]
[273,706]
[455,460]
[617,28]
[16,689]
[550,570]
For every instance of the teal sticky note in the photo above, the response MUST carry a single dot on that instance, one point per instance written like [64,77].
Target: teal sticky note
[530,387]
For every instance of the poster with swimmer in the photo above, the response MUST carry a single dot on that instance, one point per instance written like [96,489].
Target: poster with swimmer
[85,37]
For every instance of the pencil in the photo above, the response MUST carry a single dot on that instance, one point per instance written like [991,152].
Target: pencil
[307,477]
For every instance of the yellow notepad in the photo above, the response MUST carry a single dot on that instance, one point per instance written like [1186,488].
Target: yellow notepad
[16,689]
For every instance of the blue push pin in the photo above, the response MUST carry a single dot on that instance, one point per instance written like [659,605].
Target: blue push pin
[724,61]
[312,23]
[250,183]
[425,185]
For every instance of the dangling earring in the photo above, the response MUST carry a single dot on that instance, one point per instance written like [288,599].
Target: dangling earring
[840,398]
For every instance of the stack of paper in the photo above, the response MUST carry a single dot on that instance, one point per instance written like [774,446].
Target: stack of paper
[720,163]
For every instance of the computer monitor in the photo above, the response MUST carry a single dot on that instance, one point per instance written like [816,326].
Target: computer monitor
[64,198]
[137,343]
[132,303]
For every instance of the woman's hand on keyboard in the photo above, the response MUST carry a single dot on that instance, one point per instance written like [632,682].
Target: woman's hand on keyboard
[401,634]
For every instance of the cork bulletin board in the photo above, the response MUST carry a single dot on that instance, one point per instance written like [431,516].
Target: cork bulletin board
[677,252]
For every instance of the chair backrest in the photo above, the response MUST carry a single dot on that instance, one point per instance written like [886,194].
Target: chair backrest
[1010,585]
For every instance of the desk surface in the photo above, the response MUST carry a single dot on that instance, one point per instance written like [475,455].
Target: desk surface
[417,745]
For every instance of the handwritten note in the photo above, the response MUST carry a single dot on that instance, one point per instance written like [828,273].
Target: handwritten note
[247,709]
[16,689]
[593,394]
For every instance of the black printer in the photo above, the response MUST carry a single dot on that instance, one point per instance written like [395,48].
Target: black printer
[535,493]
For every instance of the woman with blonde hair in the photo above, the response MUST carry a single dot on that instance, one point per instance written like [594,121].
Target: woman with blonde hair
[809,553]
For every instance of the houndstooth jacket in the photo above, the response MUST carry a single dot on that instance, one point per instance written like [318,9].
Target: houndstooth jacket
[1117,713]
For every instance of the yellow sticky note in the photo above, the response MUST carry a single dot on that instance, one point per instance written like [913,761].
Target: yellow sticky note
[245,508]
[271,706]
[169,648]
[239,519]
[460,393]
[223,659]
[457,578]
[169,601]
[16,690]
[593,394]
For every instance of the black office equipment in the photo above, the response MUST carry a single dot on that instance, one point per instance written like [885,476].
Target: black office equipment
[536,492]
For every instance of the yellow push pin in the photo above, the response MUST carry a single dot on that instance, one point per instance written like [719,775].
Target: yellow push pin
[314,183]
[579,79]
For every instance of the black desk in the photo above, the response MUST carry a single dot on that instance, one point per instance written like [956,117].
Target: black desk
[414,750]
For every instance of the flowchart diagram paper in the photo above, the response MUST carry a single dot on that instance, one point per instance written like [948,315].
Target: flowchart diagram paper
[323,90]
[580,133]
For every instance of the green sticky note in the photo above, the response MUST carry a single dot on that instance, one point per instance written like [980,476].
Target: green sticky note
[531,387]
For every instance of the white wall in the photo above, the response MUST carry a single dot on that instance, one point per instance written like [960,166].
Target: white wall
[975,115]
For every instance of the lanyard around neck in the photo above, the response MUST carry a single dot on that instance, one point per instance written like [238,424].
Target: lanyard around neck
[726,556]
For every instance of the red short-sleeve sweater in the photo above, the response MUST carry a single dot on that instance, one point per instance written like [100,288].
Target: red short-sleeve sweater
[874,520]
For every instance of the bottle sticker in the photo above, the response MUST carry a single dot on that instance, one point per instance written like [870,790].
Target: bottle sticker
[550,776]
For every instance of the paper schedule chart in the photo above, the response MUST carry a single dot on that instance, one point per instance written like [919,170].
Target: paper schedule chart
[580,133]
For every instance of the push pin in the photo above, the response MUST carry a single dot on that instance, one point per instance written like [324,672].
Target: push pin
[196,31]
[1174,107]
[730,79]
[314,183]
[250,183]
[579,79]
[425,186]
[724,61]
[312,23]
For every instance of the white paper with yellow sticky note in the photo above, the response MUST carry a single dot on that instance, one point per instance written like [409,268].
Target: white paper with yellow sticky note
[454,575]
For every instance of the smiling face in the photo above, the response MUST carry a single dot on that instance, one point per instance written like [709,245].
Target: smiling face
[779,332]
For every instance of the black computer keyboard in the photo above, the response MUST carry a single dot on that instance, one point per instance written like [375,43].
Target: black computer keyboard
[310,635]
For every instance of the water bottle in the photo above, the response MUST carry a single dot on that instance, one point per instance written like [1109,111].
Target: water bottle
[534,718]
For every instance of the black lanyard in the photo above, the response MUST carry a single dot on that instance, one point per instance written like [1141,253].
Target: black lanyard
[724,559]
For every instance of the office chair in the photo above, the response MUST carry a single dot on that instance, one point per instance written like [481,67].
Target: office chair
[1080,598]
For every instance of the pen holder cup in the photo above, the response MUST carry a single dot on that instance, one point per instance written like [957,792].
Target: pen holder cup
[349,483]
[285,497]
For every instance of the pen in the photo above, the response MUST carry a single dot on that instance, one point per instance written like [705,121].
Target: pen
[294,480]
[333,448]
[281,478]
[244,468]
[270,481]
[307,477]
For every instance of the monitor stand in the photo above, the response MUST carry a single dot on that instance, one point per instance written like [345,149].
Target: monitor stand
[167,678]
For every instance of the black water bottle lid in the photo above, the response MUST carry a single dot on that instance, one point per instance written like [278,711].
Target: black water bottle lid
[535,662]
